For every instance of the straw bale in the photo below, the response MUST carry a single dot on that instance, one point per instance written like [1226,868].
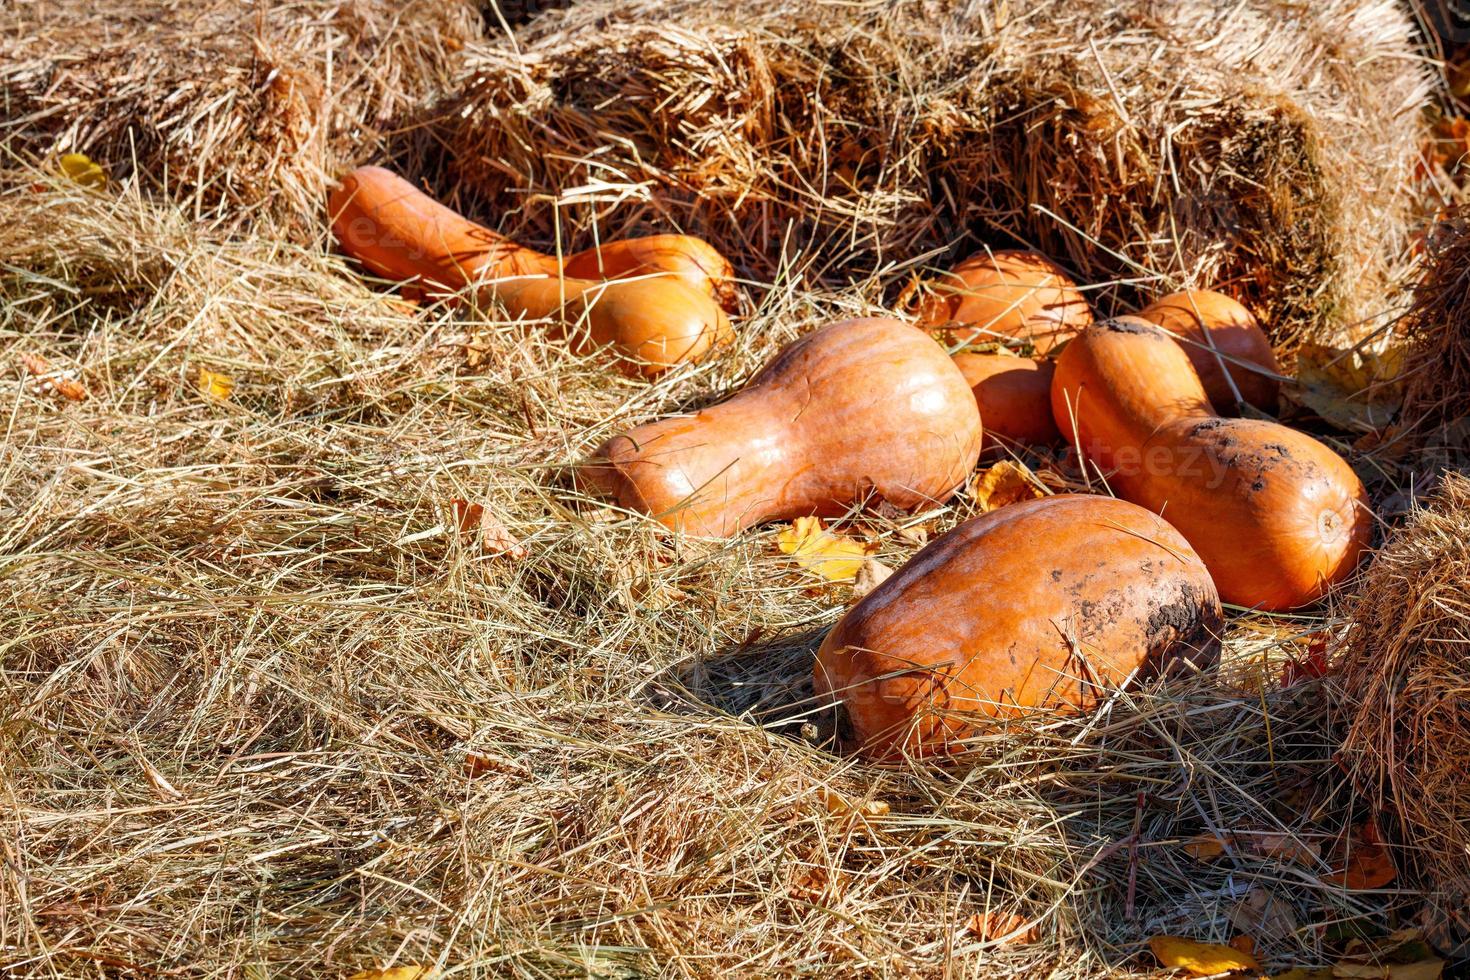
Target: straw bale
[246,108]
[1265,145]
[1404,696]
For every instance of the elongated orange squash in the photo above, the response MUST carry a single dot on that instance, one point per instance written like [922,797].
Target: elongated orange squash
[852,413]
[1046,604]
[1014,396]
[1004,295]
[653,323]
[1276,515]
[400,232]
[1223,341]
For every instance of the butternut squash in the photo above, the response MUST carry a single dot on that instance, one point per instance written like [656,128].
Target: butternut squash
[1014,397]
[654,322]
[1043,605]
[1004,295]
[400,232]
[1276,515]
[1222,340]
[855,412]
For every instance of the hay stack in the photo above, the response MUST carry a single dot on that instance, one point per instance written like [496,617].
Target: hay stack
[1437,331]
[249,107]
[1261,143]
[1406,690]
[252,669]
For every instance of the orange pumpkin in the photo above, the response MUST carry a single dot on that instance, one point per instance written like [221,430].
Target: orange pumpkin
[1004,295]
[1044,605]
[1014,397]
[666,317]
[1223,340]
[852,413]
[1276,515]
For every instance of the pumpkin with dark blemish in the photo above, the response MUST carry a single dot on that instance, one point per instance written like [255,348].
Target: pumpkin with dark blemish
[1277,516]
[1013,613]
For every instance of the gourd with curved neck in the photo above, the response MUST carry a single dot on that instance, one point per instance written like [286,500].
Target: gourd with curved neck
[852,413]
[1277,516]
[666,316]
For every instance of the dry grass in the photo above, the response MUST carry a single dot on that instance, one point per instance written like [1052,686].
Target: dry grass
[1405,688]
[1265,145]
[241,109]
[264,710]
[1437,330]
[247,661]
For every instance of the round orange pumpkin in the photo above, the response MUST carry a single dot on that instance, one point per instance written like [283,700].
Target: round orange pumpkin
[1223,340]
[1044,605]
[1014,396]
[1003,295]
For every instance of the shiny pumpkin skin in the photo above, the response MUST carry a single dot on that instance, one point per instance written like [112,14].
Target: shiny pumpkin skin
[853,412]
[1014,397]
[651,323]
[1204,318]
[1003,295]
[401,233]
[1043,605]
[1277,516]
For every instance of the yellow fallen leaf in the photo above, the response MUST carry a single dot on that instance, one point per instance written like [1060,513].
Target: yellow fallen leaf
[82,169]
[215,385]
[1002,484]
[494,535]
[840,804]
[1200,959]
[994,925]
[1354,388]
[393,973]
[832,556]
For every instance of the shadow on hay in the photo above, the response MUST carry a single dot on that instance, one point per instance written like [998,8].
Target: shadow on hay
[1118,792]
[767,682]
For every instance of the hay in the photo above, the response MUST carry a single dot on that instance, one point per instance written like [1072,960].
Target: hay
[1263,145]
[236,107]
[265,711]
[1405,691]
[1437,333]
